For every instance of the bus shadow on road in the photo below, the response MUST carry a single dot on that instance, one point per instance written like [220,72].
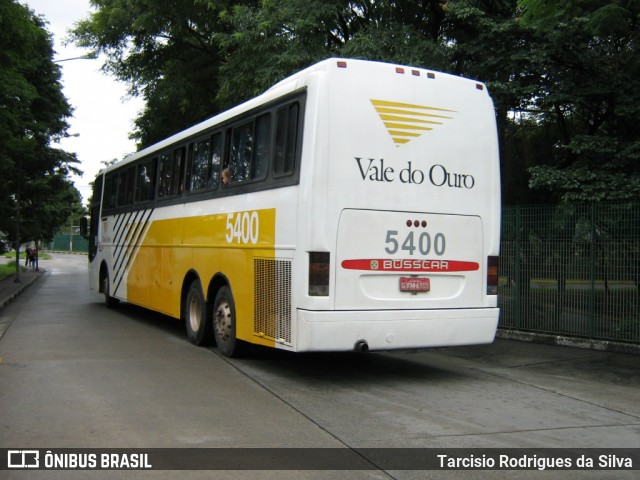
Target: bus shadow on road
[351,367]
[366,368]
[151,319]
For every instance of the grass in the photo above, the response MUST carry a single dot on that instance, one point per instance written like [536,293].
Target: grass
[12,255]
[8,269]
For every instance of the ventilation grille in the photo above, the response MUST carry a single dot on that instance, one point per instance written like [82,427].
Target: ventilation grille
[272,315]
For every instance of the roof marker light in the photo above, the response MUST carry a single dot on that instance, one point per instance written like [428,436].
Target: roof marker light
[399,70]
[415,72]
[431,75]
[342,64]
[479,86]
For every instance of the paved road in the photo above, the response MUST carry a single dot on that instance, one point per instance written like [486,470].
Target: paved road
[76,374]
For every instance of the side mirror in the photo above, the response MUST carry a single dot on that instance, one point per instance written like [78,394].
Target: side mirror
[84,227]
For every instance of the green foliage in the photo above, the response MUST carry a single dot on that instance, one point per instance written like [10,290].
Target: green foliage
[589,91]
[35,194]
[167,51]
[564,75]
[8,269]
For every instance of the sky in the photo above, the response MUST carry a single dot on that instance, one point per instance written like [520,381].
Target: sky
[103,113]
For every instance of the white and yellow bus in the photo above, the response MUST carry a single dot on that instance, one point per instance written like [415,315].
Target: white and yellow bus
[353,206]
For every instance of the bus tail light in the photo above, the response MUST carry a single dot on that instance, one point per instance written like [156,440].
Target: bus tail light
[492,275]
[319,274]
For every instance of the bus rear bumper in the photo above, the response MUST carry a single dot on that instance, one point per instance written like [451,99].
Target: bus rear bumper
[394,329]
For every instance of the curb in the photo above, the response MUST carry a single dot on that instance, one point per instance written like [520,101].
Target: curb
[24,285]
[559,340]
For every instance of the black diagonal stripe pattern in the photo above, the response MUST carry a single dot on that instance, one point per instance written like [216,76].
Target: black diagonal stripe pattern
[123,239]
[118,224]
[129,229]
[119,233]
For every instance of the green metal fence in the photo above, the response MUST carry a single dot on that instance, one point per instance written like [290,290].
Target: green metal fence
[571,270]
[69,243]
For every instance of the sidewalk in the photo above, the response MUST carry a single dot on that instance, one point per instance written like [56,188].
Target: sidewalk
[10,289]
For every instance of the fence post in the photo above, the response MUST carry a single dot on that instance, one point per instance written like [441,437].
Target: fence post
[517,268]
[592,272]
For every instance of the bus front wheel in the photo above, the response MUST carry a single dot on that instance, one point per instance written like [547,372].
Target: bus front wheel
[224,323]
[109,301]
[195,316]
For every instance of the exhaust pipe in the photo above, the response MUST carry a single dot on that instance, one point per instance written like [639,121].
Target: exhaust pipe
[361,346]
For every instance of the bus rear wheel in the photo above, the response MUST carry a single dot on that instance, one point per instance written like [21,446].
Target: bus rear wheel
[195,316]
[224,323]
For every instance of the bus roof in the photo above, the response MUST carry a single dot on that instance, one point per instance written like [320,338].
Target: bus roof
[296,81]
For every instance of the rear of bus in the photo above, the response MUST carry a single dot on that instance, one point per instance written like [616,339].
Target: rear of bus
[399,210]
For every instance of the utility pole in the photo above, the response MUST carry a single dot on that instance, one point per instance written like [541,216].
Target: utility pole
[17,279]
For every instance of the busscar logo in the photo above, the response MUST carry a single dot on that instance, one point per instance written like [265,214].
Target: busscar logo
[406,121]
[23,459]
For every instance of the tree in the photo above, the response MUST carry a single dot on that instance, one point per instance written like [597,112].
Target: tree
[191,60]
[268,42]
[563,75]
[590,93]
[35,194]
[169,52]
[486,41]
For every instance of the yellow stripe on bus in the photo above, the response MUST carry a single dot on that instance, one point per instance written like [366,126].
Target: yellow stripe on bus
[208,245]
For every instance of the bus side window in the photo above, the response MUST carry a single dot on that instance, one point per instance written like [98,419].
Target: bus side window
[199,166]
[216,158]
[177,180]
[122,182]
[117,188]
[286,139]
[241,148]
[130,186]
[146,177]
[165,175]
[110,191]
[250,150]
[262,150]
[170,178]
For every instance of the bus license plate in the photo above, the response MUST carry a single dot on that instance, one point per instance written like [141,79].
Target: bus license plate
[413,284]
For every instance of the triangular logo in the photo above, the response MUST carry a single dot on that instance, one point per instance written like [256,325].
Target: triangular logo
[405,121]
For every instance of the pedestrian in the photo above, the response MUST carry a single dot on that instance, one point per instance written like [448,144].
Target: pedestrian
[27,256]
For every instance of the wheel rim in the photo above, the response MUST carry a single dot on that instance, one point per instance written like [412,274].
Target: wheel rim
[223,321]
[195,314]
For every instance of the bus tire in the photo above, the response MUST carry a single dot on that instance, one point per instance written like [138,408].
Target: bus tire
[199,331]
[224,323]
[109,301]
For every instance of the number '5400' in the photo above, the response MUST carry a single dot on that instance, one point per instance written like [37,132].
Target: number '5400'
[413,243]
[243,227]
